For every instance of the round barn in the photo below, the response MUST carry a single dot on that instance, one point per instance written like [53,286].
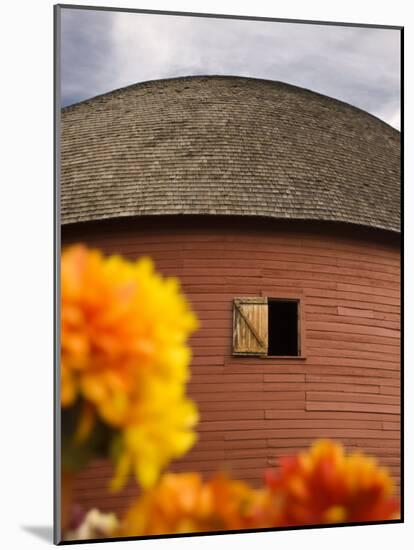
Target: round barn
[279,210]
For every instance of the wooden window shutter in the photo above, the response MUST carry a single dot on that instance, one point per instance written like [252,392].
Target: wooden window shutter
[250,326]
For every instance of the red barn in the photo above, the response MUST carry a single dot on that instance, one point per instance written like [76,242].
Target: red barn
[279,210]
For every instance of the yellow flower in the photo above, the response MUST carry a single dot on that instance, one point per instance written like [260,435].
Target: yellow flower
[160,429]
[123,350]
[184,503]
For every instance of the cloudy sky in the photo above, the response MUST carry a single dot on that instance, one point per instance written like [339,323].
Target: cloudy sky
[102,50]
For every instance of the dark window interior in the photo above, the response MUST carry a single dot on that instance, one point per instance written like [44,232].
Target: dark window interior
[283,327]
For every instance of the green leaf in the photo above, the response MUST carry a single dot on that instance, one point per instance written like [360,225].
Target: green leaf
[76,455]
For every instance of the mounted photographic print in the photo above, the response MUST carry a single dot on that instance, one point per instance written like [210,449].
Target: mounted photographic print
[228,274]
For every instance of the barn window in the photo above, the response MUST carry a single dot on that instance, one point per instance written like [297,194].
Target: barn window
[266,327]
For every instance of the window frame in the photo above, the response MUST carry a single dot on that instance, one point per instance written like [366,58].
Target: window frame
[277,296]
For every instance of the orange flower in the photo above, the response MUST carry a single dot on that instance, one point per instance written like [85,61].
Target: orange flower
[124,352]
[323,485]
[120,321]
[319,486]
[183,503]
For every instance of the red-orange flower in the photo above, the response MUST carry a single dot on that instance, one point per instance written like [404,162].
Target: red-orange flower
[324,485]
[183,503]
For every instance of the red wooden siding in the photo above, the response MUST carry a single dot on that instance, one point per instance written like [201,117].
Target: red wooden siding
[254,410]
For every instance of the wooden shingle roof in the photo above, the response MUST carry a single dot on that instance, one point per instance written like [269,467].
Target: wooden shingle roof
[228,146]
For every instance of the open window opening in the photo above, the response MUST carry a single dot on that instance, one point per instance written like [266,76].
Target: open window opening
[283,327]
[267,327]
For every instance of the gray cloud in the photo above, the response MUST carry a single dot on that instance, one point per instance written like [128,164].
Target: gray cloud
[106,50]
[86,52]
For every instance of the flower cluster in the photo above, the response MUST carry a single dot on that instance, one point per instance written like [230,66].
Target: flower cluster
[184,503]
[124,358]
[320,486]
[324,485]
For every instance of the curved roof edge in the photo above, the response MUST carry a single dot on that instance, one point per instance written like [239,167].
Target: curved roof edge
[235,215]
